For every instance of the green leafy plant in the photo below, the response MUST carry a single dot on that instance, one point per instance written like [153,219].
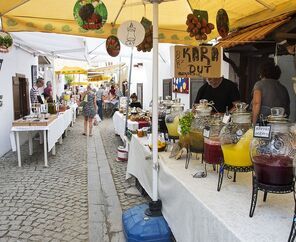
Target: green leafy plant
[185,123]
[69,79]
[5,40]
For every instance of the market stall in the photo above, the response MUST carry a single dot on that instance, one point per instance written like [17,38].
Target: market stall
[52,130]
[195,211]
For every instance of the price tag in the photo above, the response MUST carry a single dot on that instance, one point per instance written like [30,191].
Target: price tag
[206,132]
[262,131]
[226,118]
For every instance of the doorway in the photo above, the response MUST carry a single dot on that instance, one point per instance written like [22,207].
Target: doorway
[167,88]
[140,92]
[195,84]
[21,105]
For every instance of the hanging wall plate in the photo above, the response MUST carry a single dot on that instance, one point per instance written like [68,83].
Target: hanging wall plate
[90,14]
[113,46]
[131,33]
[5,42]
[222,22]
[147,43]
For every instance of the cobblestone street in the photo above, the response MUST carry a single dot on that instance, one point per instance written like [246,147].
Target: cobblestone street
[74,199]
[118,168]
[46,204]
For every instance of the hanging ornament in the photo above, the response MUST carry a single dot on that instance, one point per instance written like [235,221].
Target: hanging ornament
[198,25]
[113,46]
[222,22]
[5,42]
[131,33]
[147,43]
[90,14]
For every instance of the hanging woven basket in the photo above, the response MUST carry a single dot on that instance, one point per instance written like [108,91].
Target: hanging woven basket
[90,14]
[5,42]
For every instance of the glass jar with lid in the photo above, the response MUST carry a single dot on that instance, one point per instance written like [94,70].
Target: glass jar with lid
[274,157]
[202,118]
[212,146]
[235,138]
[172,119]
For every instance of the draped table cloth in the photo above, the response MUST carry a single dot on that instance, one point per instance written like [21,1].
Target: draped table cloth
[195,211]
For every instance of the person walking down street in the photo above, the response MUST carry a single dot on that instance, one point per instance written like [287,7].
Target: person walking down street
[269,92]
[89,109]
[99,96]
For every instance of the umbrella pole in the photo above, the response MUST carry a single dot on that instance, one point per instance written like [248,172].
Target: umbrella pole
[155,206]
[128,91]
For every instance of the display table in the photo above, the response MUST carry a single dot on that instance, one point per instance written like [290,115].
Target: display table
[195,211]
[119,124]
[52,132]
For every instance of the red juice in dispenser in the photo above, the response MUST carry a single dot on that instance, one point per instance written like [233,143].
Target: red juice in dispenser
[273,169]
[212,151]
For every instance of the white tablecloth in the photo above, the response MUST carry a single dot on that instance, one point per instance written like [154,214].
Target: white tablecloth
[195,211]
[55,129]
[119,124]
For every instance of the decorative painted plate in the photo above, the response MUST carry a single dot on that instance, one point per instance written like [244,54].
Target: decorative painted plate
[222,22]
[90,14]
[113,46]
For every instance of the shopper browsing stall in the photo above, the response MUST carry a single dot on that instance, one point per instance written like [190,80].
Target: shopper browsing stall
[223,92]
[269,92]
[135,103]
[34,92]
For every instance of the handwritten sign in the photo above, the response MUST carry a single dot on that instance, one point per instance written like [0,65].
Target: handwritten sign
[262,131]
[201,61]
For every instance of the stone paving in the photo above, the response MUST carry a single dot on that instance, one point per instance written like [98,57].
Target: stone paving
[118,169]
[46,204]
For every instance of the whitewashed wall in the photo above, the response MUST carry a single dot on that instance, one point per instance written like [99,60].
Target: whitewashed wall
[16,61]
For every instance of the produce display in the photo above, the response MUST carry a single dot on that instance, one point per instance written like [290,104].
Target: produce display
[160,145]
[198,25]
[147,43]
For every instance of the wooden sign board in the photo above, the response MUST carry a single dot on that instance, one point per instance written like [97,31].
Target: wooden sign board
[194,62]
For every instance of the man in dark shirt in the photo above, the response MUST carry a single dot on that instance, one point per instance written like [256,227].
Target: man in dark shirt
[223,92]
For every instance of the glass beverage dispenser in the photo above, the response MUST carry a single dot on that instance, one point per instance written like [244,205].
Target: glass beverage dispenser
[235,138]
[273,158]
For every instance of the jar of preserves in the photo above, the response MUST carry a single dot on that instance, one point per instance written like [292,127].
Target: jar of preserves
[172,119]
